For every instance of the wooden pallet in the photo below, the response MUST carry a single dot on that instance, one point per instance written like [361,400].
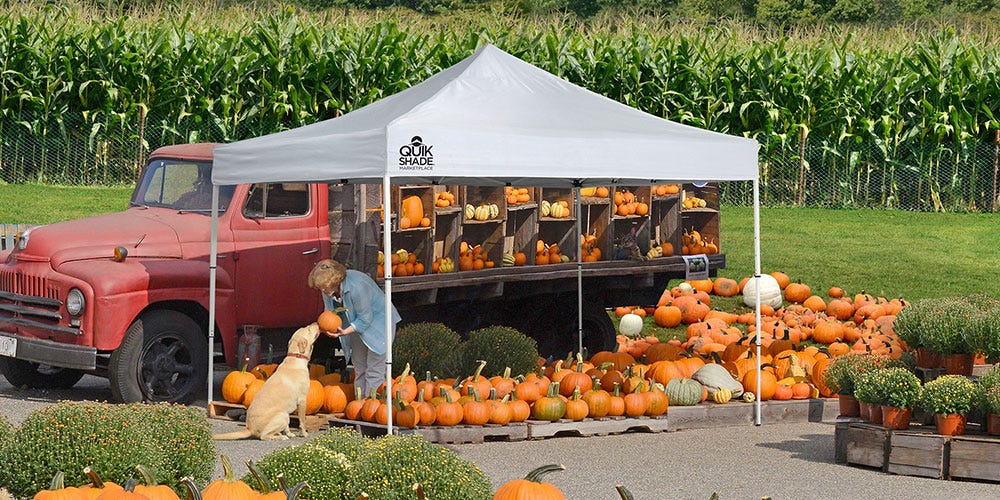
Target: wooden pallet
[224,410]
[539,429]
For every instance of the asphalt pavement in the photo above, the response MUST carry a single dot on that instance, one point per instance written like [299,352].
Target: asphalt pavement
[784,461]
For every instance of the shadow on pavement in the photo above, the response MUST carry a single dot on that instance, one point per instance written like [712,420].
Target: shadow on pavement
[810,447]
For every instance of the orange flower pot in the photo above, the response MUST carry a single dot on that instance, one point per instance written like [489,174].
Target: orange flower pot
[848,405]
[993,424]
[958,364]
[896,418]
[951,424]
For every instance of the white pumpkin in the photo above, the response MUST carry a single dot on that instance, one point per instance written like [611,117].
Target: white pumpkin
[685,286]
[630,325]
[770,291]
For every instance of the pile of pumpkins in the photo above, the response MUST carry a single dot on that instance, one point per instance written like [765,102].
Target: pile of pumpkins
[790,315]
[226,488]
[610,384]
[328,392]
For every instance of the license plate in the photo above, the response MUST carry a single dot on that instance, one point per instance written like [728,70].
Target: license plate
[8,346]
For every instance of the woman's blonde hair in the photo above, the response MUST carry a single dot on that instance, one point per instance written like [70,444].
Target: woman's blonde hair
[327,273]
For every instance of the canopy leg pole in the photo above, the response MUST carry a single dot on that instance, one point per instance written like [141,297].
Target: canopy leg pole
[579,274]
[756,272]
[387,268]
[212,262]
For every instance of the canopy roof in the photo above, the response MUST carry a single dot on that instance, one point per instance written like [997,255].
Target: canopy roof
[491,119]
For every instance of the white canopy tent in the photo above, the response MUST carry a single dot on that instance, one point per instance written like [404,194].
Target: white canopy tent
[491,119]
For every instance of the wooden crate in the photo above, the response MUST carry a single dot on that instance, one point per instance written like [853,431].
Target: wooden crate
[416,242]
[918,454]
[974,457]
[484,195]
[490,236]
[595,220]
[426,194]
[447,234]
[867,445]
[561,232]
[621,229]
[553,195]
[533,194]
[521,232]
[665,218]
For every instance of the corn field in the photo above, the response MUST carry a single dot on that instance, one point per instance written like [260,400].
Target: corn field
[905,119]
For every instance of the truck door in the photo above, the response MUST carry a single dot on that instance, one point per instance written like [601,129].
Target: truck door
[277,243]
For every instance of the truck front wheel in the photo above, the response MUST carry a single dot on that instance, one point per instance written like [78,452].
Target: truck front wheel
[22,373]
[163,357]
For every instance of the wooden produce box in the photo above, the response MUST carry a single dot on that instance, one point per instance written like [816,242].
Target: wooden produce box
[919,454]
[974,457]
[868,445]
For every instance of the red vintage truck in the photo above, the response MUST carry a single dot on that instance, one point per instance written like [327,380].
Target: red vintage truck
[125,295]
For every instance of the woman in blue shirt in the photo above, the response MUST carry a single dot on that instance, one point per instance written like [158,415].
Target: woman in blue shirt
[363,335]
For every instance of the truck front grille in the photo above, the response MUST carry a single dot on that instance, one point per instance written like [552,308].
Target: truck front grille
[22,284]
[31,301]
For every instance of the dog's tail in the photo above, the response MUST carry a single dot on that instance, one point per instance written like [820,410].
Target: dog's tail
[229,436]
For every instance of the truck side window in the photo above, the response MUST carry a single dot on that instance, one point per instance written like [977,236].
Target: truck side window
[275,200]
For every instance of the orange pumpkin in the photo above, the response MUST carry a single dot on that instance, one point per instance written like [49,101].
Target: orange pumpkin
[228,488]
[329,321]
[234,386]
[531,486]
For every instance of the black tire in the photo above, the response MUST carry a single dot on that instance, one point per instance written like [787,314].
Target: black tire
[22,373]
[163,358]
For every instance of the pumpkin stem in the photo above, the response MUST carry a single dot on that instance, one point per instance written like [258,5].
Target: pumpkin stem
[618,390]
[130,485]
[406,373]
[293,492]
[58,481]
[479,370]
[95,479]
[362,496]
[506,374]
[146,475]
[246,363]
[624,492]
[192,488]
[419,491]
[357,393]
[227,469]
[262,482]
[493,393]
[536,475]
[579,362]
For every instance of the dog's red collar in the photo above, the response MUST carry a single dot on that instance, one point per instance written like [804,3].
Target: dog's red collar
[298,355]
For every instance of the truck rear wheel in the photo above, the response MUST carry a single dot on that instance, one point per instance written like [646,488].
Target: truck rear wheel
[163,357]
[22,373]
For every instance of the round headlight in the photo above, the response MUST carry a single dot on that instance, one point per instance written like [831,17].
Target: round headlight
[75,302]
[22,239]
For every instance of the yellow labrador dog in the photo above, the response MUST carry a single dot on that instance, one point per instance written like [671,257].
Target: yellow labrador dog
[283,392]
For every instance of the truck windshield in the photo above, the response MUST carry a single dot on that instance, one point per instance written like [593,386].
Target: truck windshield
[181,185]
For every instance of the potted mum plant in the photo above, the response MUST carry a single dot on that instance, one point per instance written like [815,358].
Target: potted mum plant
[948,331]
[910,324]
[898,392]
[949,398]
[868,392]
[842,373]
[987,398]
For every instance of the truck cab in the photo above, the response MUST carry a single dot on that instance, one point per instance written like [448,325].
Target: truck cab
[125,295]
